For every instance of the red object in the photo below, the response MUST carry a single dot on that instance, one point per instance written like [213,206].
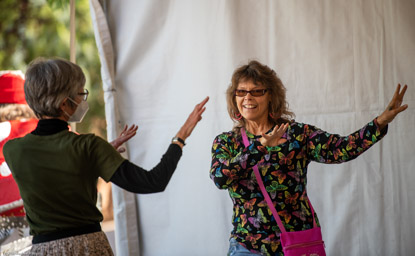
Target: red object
[9,191]
[12,87]
[11,92]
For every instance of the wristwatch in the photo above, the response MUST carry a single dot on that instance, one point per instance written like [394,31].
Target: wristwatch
[175,139]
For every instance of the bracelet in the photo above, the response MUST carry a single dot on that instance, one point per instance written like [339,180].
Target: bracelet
[177,139]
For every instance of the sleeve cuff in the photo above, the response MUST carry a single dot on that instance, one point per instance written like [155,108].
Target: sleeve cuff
[174,150]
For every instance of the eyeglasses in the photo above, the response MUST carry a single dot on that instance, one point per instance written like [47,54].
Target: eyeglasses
[255,93]
[84,94]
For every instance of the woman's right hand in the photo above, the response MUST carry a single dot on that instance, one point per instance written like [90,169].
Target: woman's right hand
[274,138]
[192,120]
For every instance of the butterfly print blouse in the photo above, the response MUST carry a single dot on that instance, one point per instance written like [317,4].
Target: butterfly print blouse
[284,172]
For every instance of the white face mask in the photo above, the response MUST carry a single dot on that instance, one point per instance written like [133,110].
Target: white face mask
[80,111]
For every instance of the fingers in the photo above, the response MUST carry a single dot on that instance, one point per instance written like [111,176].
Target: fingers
[400,109]
[200,108]
[201,112]
[124,130]
[126,134]
[397,98]
[396,94]
[274,130]
[392,103]
[128,131]
[395,106]
[201,104]
[133,129]
[281,130]
[402,93]
[274,137]
[277,132]
[193,119]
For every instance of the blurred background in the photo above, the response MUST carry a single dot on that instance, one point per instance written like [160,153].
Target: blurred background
[33,28]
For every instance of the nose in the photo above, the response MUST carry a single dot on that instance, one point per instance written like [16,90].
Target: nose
[248,96]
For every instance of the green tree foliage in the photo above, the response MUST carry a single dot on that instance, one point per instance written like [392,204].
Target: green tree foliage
[34,28]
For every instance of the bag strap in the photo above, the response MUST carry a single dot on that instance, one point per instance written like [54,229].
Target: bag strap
[265,193]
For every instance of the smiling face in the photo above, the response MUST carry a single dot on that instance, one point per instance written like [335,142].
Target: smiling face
[252,108]
[263,110]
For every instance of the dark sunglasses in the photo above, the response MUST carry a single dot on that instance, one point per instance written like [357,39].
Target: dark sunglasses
[255,93]
[84,94]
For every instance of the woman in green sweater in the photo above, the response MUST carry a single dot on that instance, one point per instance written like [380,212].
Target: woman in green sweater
[57,170]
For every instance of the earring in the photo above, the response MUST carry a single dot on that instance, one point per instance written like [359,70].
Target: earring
[237,117]
[271,115]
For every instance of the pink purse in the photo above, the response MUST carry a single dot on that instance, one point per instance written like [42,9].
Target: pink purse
[296,243]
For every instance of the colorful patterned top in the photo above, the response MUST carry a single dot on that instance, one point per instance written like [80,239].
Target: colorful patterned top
[284,173]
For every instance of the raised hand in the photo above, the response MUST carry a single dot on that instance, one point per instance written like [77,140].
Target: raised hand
[192,120]
[274,138]
[394,107]
[125,135]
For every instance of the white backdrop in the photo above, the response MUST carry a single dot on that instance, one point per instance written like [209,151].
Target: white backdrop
[340,61]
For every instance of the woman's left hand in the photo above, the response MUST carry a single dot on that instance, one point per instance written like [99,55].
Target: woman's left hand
[394,108]
[125,135]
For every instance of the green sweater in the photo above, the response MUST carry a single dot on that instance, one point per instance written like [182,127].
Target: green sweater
[57,177]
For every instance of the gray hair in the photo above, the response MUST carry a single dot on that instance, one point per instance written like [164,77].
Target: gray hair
[49,82]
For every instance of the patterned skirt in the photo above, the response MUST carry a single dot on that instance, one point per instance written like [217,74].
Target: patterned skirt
[89,244]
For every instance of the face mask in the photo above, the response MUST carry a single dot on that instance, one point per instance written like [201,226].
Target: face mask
[80,111]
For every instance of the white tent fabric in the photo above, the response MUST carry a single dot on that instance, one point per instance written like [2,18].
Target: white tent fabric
[340,61]
[126,234]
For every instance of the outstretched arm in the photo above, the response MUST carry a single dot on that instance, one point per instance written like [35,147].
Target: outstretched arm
[332,148]
[138,180]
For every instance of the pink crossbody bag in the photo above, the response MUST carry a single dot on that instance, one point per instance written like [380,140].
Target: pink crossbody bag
[296,243]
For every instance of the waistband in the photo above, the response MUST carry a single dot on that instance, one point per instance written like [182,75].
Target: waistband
[42,238]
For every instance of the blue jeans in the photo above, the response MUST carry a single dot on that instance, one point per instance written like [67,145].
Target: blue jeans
[235,249]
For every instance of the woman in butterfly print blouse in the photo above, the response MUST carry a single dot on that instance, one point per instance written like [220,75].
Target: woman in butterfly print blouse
[282,149]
